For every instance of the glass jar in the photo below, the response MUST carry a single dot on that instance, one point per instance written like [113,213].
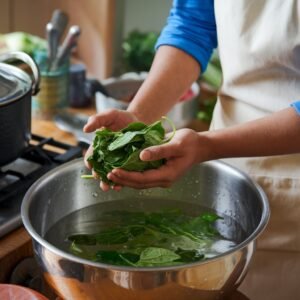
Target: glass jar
[54,88]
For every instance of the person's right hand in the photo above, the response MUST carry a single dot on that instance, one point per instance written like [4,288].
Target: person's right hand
[113,119]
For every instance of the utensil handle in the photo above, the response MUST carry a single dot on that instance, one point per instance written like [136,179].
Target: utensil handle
[68,44]
[52,39]
[59,21]
[29,61]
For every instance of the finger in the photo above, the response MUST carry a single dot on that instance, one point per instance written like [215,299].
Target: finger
[139,184]
[88,153]
[104,186]
[103,119]
[116,188]
[155,175]
[145,179]
[168,150]
[95,174]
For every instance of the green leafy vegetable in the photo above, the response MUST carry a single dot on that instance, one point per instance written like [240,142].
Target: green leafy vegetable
[152,256]
[21,41]
[139,50]
[121,149]
[189,255]
[114,257]
[141,239]
[207,107]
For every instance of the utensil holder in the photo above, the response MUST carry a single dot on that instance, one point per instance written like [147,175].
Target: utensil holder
[54,89]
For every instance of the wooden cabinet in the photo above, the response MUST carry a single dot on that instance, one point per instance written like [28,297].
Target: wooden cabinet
[95,17]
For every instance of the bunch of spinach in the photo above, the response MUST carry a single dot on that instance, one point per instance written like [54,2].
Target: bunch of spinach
[121,149]
[148,239]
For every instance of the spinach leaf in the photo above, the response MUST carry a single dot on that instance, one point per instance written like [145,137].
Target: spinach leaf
[82,239]
[116,258]
[112,236]
[135,126]
[189,255]
[126,138]
[202,225]
[152,256]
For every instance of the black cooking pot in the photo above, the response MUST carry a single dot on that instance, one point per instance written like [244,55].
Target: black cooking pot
[16,88]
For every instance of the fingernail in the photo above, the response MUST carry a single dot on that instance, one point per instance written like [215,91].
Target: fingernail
[145,155]
[86,127]
[114,172]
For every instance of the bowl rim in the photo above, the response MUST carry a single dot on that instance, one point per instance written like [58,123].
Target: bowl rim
[25,207]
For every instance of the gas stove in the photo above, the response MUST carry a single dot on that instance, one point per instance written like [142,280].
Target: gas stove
[42,155]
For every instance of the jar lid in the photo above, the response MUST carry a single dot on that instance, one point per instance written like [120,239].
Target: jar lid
[14,83]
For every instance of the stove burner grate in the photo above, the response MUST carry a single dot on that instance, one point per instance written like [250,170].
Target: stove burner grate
[42,155]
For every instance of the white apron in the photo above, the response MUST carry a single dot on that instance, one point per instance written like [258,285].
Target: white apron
[259,46]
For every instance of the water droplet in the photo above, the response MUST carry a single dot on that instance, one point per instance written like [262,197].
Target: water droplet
[95,194]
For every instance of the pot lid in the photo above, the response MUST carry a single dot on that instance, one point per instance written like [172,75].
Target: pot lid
[14,83]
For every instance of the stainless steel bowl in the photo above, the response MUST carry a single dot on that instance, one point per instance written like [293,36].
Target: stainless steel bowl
[212,184]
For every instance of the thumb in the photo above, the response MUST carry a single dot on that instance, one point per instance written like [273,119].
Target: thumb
[158,152]
[106,118]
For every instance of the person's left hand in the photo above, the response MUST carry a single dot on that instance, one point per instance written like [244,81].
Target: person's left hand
[185,149]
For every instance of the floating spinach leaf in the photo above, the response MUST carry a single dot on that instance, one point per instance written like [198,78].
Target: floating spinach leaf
[144,239]
[116,258]
[152,256]
[121,149]
[202,225]
[189,255]
[83,239]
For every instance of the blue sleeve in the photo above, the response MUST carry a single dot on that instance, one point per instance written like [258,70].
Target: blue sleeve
[296,106]
[191,27]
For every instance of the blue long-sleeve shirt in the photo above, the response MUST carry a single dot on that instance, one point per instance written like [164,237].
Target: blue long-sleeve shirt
[296,106]
[191,27]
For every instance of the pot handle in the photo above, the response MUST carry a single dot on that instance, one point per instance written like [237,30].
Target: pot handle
[29,61]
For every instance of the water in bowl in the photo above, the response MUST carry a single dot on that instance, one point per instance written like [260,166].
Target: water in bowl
[118,214]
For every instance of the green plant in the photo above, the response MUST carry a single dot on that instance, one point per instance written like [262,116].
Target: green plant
[21,41]
[206,110]
[138,50]
[212,77]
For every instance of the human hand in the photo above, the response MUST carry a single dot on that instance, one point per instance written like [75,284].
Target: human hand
[113,119]
[185,149]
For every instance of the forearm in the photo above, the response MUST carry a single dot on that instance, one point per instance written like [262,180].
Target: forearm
[276,134]
[171,74]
